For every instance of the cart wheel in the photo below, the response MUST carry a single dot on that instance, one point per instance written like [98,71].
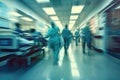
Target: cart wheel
[13,63]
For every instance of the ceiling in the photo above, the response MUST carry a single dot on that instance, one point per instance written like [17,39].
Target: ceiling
[63,9]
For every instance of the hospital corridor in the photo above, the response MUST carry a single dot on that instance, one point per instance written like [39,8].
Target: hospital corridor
[59,39]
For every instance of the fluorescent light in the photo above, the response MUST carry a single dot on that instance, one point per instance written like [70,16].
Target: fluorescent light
[58,23]
[13,19]
[54,18]
[77,9]
[26,18]
[72,22]
[49,11]
[70,26]
[42,1]
[15,14]
[73,16]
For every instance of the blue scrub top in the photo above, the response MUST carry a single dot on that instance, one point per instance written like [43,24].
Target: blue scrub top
[54,36]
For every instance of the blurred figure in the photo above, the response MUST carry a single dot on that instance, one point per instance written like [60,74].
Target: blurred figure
[54,41]
[35,33]
[67,36]
[86,37]
[35,36]
[77,36]
[18,28]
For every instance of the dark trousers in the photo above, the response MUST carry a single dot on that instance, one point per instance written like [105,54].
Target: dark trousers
[76,40]
[86,43]
[66,44]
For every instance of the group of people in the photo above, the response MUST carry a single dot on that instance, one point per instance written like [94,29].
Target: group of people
[86,37]
[56,39]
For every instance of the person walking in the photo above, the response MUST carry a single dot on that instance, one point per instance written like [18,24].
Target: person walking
[67,36]
[18,28]
[35,33]
[35,36]
[86,37]
[54,42]
[77,36]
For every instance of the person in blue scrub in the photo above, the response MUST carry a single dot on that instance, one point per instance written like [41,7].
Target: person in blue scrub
[86,37]
[35,36]
[35,33]
[18,28]
[54,41]
[67,36]
[77,36]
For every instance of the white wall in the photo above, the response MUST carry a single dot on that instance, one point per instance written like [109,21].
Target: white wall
[99,43]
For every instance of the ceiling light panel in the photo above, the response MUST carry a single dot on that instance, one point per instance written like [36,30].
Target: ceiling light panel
[72,17]
[42,1]
[13,19]
[72,22]
[26,18]
[14,14]
[77,9]
[58,23]
[70,26]
[49,11]
[54,18]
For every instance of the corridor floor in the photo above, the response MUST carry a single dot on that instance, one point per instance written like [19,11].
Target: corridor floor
[74,66]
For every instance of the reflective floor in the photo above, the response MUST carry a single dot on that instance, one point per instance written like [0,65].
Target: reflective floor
[74,66]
